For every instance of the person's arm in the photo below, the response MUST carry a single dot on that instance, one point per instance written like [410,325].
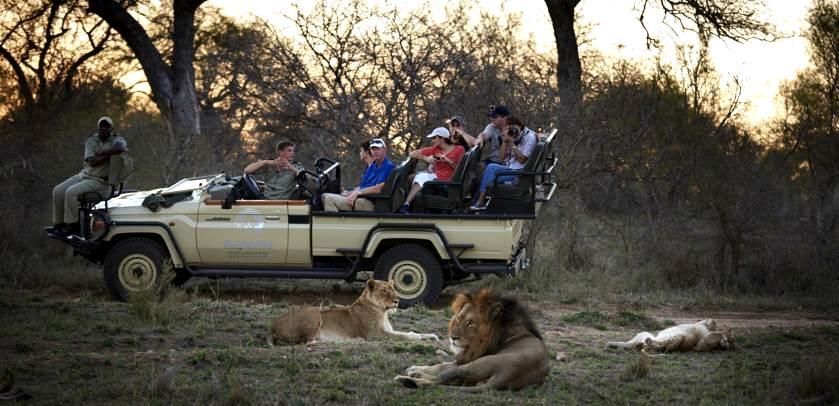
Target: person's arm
[422,155]
[504,148]
[258,165]
[102,157]
[521,154]
[365,191]
[470,140]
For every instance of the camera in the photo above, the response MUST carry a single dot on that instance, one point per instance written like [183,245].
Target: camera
[514,132]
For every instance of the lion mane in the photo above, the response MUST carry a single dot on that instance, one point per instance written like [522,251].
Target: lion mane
[495,343]
[498,318]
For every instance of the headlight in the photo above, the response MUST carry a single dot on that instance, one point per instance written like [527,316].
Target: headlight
[98,226]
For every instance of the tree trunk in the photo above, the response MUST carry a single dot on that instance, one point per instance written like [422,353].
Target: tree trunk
[173,87]
[569,69]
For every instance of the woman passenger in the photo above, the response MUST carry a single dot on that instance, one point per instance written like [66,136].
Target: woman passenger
[442,157]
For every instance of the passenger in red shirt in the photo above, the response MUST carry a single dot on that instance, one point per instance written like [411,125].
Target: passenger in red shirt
[442,157]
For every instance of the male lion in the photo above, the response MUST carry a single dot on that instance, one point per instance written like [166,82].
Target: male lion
[699,336]
[496,346]
[366,318]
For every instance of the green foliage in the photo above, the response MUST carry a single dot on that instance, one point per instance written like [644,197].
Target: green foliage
[819,379]
[155,309]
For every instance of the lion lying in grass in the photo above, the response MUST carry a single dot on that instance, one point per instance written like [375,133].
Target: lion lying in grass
[496,346]
[366,318]
[699,336]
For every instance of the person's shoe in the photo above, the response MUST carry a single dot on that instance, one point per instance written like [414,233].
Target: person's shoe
[58,229]
[478,207]
[74,228]
[405,209]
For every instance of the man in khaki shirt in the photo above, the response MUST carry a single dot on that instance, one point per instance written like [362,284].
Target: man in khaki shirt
[280,174]
[98,150]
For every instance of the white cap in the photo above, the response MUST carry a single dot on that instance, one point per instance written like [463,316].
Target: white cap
[105,119]
[377,143]
[439,132]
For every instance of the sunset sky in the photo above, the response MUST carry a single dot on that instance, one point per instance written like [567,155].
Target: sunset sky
[760,66]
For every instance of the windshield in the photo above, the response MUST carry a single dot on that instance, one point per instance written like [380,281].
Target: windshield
[188,184]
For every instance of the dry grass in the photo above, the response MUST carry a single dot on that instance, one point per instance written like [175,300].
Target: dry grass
[83,348]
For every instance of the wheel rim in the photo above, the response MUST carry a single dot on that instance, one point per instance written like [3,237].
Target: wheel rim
[408,278]
[137,272]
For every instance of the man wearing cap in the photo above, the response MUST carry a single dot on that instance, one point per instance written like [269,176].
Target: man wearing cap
[372,182]
[98,150]
[279,174]
[442,157]
[491,134]
[456,129]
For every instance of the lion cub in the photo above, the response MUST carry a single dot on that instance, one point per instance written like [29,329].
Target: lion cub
[699,336]
[366,318]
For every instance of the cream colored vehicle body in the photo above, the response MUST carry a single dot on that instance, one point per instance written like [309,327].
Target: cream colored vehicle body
[421,254]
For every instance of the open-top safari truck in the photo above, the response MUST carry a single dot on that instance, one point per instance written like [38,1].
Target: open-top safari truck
[207,226]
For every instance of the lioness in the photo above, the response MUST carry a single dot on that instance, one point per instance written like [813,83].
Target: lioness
[366,318]
[699,336]
[496,346]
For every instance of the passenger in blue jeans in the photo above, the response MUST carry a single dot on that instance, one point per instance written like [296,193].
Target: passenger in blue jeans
[516,147]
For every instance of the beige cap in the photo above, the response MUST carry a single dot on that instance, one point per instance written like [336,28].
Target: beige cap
[105,119]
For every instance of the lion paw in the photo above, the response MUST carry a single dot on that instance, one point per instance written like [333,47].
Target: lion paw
[406,381]
[412,370]
[430,337]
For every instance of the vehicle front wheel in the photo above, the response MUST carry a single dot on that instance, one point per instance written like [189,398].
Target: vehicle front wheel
[134,265]
[414,271]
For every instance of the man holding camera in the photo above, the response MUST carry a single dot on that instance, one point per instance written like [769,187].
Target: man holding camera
[518,143]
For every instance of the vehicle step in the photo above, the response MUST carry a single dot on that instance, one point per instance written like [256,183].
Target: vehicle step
[304,273]
[501,268]
[348,251]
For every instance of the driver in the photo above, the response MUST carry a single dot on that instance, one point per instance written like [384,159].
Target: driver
[280,174]
[372,182]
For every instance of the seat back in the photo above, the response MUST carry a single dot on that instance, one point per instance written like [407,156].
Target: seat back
[547,164]
[454,195]
[460,170]
[393,192]
[533,163]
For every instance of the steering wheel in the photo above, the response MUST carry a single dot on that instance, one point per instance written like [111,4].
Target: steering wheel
[303,182]
[252,191]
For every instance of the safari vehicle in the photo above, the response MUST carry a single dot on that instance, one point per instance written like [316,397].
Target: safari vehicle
[211,226]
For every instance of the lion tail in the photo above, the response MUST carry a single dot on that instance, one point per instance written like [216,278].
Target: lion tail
[617,344]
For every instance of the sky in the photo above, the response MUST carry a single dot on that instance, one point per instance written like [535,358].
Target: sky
[614,31]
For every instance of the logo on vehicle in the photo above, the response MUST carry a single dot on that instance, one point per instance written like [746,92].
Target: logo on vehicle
[249,219]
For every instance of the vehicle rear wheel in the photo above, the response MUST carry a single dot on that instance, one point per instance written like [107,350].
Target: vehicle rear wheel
[134,265]
[414,271]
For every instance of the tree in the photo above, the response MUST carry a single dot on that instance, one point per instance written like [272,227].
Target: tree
[810,132]
[47,44]
[730,19]
[172,83]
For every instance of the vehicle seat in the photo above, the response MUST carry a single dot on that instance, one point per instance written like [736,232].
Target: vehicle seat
[451,196]
[519,197]
[90,199]
[393,192]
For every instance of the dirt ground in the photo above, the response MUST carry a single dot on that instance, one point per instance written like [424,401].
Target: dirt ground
[79,346]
